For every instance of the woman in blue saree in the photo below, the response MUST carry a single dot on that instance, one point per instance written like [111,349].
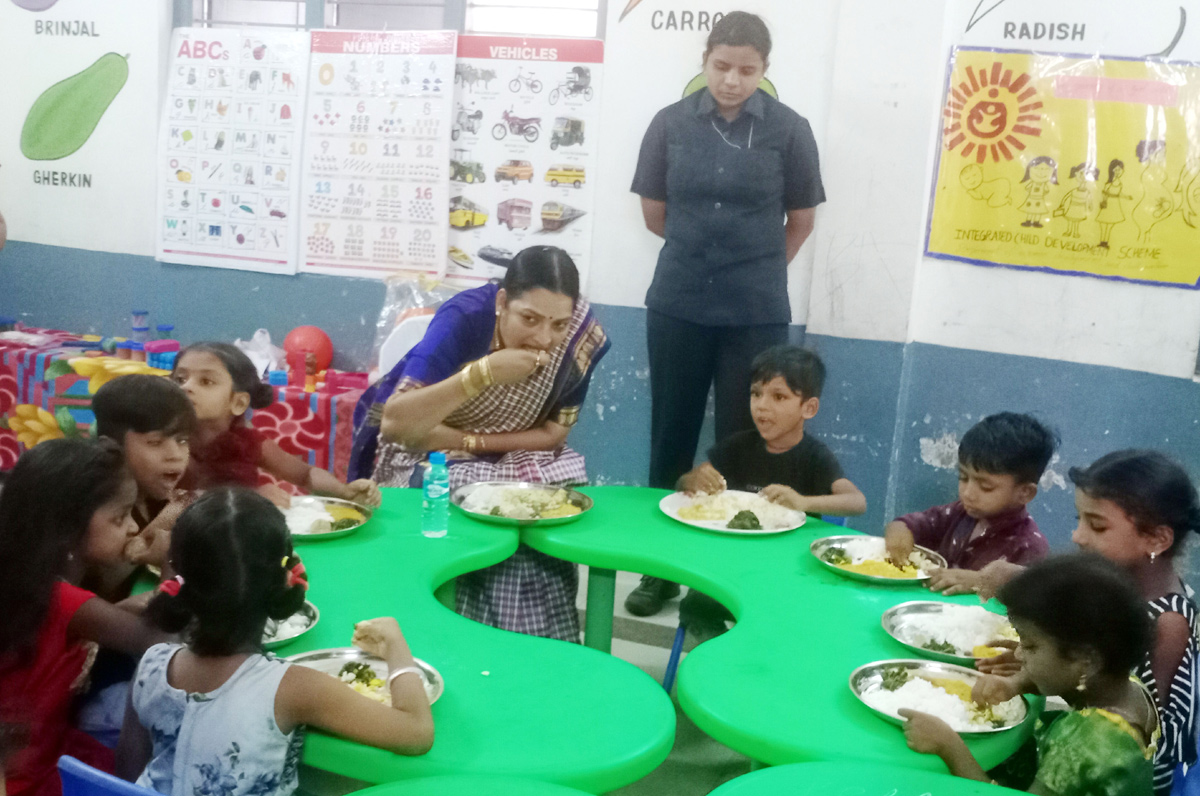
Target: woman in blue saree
[497,382]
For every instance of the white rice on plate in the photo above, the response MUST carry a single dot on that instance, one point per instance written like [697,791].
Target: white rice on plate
[723,506]
[921,695]
[517,504]
[378,689]
[964,626]
[305,517]
[293,626]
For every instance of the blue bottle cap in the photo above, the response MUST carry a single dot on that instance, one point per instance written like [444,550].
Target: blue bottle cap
[437,457]
[165,327]
[140,328]
[124,344]
[277,378]
[4,319]
[139,312]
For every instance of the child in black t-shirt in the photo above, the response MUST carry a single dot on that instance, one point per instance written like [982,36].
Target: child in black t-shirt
[777,459]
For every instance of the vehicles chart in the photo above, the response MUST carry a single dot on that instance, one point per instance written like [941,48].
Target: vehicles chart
[229,149]
[376,152]
[523,137]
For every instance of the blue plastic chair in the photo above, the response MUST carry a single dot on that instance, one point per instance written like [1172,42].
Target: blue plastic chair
[677,645]
[80,779]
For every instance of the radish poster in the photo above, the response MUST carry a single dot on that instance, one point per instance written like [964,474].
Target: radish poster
[229,149]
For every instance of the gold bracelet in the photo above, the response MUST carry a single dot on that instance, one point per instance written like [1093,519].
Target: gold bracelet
[485,366]
[468,383]
[480,439]
[468,442]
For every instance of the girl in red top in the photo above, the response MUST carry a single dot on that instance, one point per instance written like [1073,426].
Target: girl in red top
[222,384]
[67,500]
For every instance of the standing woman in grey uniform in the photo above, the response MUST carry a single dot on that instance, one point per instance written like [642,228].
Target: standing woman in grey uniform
[729,178]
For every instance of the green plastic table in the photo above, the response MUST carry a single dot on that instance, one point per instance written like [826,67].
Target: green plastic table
[469,786]
[774,688]
[514,705]
[853,779]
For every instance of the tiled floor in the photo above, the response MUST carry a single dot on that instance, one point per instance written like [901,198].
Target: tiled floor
[697,764]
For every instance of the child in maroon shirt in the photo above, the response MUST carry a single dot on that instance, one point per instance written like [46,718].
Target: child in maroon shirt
[1000,460]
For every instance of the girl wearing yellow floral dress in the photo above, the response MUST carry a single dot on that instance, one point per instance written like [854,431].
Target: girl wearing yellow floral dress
[1083,627]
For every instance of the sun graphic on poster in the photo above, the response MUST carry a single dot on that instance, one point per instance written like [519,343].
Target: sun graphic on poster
[990,112]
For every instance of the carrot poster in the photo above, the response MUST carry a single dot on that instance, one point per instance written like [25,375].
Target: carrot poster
[1087,166]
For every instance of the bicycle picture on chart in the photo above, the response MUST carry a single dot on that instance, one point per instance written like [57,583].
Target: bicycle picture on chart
[530,82]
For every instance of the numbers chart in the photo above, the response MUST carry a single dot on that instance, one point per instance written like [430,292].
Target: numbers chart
[376,152]
[229,149]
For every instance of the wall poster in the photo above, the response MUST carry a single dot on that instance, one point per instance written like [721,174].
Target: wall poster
[1071,164]
[376,152]
[524,145]
[229,149]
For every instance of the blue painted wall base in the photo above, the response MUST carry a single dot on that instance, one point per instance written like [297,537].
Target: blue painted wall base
[886,405]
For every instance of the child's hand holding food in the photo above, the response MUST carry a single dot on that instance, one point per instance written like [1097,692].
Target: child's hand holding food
[927,734]
[1003,665]
[364,491]
[704,478]
[992,690]
[379,637]
[784,496]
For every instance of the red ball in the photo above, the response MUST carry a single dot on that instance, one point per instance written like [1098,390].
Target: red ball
[310,338]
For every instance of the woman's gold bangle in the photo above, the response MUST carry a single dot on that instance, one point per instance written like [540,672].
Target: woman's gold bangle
[468,442]
[485,365]
[468,384]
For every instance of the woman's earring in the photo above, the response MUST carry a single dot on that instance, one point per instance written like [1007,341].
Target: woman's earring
[1153,556]
[1082,686]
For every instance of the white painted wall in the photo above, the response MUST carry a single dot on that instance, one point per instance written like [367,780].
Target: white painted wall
[869,74]
[645,70]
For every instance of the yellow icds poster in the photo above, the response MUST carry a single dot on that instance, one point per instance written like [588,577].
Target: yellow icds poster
[1070,164]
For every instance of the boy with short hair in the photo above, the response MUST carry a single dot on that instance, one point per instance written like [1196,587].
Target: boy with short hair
[151,418]
[1000,461]
[777,458]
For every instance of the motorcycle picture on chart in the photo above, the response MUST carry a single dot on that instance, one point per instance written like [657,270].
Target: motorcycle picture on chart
[529,81]
[529,128]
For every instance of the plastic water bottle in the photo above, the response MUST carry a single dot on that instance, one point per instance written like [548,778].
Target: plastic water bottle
[435,508]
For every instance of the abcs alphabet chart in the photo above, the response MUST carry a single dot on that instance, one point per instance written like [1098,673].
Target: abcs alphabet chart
[376,152]
[229,149]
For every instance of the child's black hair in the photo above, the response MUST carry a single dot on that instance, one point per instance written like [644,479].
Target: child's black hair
[45,508]
[802,369]
[245,376]
[1007,443]
[547,267]
[740,29]
[233,551]
[1084,601]
[142,403]
[1150,487]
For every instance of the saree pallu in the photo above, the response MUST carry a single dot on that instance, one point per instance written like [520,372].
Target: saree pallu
[530,592]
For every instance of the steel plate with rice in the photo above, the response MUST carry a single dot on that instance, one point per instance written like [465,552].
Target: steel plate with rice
[279,633]
[948,632]
[520,503]
[861,557]
[313,518]
[939,689]
[334,661]
[731,511]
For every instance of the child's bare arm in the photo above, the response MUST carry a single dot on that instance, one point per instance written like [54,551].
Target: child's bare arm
[318,700]
[899,541]
[113,627]
[704,478]
[931,736]
[846,499]
[286,467]
[135,748]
